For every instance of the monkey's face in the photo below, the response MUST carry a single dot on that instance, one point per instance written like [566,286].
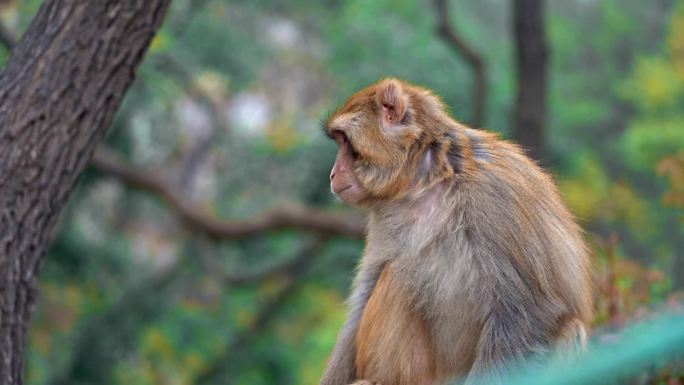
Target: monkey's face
[382,149]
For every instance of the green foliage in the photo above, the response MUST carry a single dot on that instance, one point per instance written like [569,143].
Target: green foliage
[223,37]
[647,140]
[400,38]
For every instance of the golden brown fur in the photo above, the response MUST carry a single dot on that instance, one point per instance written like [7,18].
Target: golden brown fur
[471,261]
[389,327]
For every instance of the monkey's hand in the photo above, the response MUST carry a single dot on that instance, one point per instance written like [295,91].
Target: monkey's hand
[366,382]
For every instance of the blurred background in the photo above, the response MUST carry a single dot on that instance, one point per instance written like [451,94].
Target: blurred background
[203,246]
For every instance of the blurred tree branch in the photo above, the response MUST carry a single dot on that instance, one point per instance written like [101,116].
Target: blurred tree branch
[471,56]
[282,218]
[293,272]
[531,57]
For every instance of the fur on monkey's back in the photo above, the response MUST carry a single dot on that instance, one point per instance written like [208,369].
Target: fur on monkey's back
[503,238]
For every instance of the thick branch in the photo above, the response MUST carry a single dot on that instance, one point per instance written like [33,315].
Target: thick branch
[283,218]
[531,57]
[472,57]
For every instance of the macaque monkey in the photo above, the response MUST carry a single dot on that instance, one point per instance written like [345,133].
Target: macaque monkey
[472,262]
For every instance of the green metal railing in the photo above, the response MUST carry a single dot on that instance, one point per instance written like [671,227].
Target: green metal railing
[635,351]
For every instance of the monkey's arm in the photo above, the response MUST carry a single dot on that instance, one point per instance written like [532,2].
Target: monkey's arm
[507,336]
[341,368]
[521,321]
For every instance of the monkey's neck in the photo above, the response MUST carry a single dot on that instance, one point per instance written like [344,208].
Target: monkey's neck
[413,223]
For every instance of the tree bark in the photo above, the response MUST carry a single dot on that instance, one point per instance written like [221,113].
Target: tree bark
[531,63]
[62,84]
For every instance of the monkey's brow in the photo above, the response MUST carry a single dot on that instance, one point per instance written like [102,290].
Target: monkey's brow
[326,131]
[324,123]
[325,119]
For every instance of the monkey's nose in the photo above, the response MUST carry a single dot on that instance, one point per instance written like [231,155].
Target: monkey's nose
[332,175]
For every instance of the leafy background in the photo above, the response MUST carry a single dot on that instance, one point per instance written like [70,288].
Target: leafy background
[227,109]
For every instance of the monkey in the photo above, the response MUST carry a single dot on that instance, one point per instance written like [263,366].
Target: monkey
[472,262]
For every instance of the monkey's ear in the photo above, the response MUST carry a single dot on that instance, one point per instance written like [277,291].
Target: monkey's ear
[392,101]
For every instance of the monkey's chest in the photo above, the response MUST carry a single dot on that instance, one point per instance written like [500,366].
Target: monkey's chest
[393,346]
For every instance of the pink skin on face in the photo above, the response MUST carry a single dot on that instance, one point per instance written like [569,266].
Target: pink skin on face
[343,182]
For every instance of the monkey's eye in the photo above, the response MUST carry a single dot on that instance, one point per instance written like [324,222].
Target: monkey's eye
[343,141]
[355,155]
[339,137]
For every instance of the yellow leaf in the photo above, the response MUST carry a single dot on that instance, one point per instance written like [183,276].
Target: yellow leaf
[159,42]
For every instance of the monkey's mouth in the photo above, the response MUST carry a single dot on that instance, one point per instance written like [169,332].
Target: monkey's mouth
[343,189]
[349,194]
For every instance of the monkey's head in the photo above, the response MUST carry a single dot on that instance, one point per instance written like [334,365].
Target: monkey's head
[394,140]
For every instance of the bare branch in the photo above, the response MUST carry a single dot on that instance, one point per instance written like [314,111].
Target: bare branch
[472,57]
[286,217]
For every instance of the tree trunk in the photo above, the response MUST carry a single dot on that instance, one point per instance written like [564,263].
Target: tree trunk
[61,86]
[531,64]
